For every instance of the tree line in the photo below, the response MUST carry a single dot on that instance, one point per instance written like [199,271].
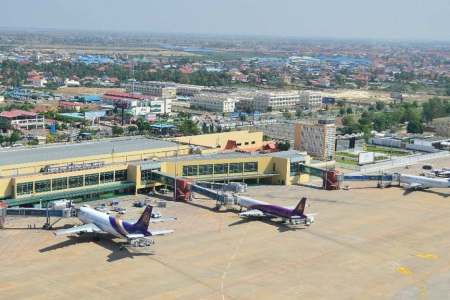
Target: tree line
[381,118]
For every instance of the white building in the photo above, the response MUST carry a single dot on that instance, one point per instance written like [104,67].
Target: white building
[139,105]
[152,88]
[276,100]
[71,83]
[163,89]
[310,100]
[21,119]
[219,102]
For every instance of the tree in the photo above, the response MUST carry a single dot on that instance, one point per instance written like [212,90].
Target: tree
[348,121]
[349,111]
[142,125]
[365,119]
[380,105]
[33,142]
[2,139]
[188,127]
[132,129]
[415,126]
[287,115]
[211,128]
[283,146]
[205,128]
[14,137]
[116,130]
[435,108]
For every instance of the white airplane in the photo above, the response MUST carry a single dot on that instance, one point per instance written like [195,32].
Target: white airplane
[412,182]
[444,172]
[136,233]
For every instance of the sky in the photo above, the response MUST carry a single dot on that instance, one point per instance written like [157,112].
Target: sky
[349,19]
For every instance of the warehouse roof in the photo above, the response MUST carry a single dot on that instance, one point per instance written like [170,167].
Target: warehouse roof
[75,150]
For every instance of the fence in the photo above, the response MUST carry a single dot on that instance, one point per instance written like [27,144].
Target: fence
[395,163]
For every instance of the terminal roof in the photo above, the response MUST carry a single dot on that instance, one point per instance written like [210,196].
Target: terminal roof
[79,150]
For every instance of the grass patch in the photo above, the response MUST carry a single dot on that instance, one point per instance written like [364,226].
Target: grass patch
[386,150]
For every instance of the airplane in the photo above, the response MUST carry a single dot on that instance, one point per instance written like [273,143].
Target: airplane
[136,233]
[444,172]
[413,183]
[259,209]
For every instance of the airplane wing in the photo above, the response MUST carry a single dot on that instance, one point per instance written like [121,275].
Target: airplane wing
[155,220]
[414,185]
[77,229]
[253,213]
[161,232]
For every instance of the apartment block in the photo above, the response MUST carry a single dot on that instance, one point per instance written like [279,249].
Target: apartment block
[317,139]
[310,100]
[274,100]
[219,102]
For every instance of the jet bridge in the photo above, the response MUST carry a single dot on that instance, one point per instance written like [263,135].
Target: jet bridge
[57,209]
[329,177]
[221,193]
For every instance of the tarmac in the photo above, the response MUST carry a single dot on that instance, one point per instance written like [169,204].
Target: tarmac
[366,243]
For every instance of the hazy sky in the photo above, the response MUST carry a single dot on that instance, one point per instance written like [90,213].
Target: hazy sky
[387,19]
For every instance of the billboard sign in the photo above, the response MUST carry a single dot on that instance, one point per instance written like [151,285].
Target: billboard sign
[366,158]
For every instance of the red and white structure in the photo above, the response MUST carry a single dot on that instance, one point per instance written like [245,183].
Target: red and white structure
[21,119]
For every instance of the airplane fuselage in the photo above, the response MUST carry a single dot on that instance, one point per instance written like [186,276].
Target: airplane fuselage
[275,210]
[424,182]
[109,224]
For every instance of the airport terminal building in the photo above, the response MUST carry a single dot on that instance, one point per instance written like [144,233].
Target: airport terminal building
[84,171]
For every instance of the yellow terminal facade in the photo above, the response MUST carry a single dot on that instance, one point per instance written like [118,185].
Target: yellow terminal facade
[84,171]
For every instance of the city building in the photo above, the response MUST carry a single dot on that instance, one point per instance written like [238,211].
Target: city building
[281,130]
[317,139]
[219,102]
[163,89]
[21,119]
[152,88]
[69,106]
[310,100]
[188,90]
[83,171]
[243,139]
[137,104]
[276,100]
[350,142]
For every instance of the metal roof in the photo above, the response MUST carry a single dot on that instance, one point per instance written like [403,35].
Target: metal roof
[76,150]
[230,155]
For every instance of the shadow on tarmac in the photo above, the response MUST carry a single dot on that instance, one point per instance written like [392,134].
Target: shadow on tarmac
[214,209]
[409,191]
[118,250]
[281,227]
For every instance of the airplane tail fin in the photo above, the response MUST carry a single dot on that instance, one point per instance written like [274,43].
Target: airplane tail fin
[300,208]
[144,220]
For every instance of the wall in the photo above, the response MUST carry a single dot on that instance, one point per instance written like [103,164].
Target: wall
[219,140]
